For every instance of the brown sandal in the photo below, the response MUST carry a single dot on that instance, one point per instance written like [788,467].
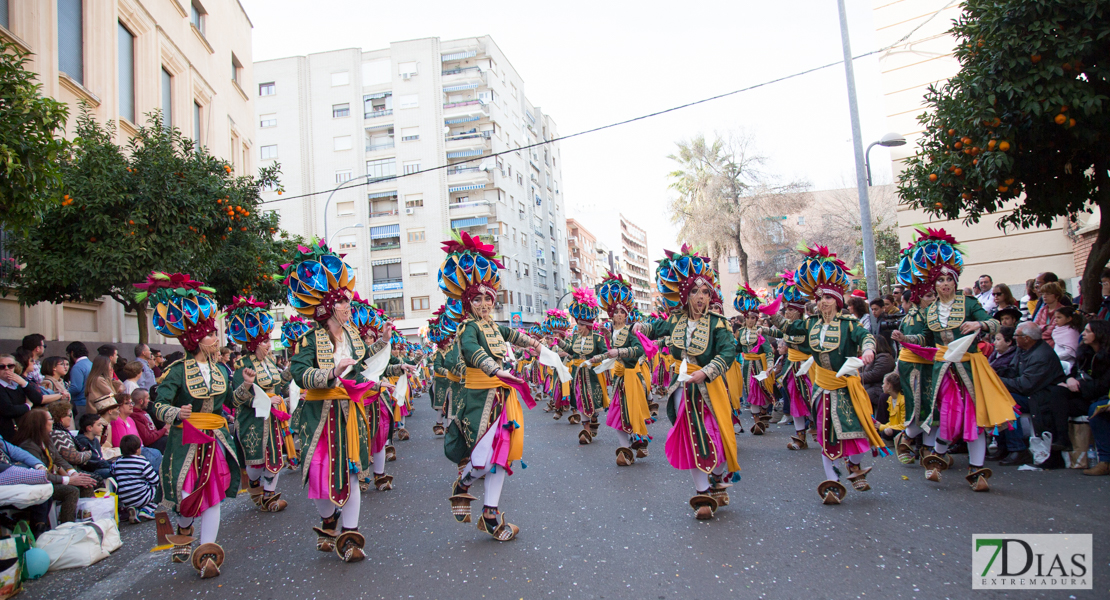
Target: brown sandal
[624,457]
[584,437]
[977,477]
[704,506]
[904,449]
[207,560]
[798,443]
[831,492]
[934,464]
[503,531]
[349,546]
[574,419]
[858,477]
[460,501]
[383,482]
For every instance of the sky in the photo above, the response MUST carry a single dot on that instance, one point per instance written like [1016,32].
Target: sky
[588,64]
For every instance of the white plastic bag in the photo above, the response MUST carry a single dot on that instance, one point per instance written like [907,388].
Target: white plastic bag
[73,545]
[24,495]
[103,505]
[1041,447]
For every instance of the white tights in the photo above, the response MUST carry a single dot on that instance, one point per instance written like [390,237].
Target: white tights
[269,482]
[799,423]
[494,482]
[976,450]
[349,514]
[379,462]
[830,470]
[622,438]
[701,478]
[209,524]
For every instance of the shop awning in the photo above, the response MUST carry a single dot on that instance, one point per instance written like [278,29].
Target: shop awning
[462,120]
[385,261]
[459,55]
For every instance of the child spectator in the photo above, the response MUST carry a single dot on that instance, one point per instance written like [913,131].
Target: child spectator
[896,405]
[136,480]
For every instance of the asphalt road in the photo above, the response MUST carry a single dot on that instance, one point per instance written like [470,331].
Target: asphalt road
[590,529]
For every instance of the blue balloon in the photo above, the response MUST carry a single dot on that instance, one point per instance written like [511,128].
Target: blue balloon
[36,562]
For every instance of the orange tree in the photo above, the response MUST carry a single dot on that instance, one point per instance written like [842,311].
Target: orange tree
[157,203]
[1024,124]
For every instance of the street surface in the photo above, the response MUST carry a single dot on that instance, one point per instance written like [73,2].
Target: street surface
[592,530]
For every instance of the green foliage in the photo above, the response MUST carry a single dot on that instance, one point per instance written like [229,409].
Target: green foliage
[30,180]
[156,204]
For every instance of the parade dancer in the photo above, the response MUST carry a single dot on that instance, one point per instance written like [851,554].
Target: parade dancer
[266,441]
[758,356]
[799,388]
[967,396]
[200,458]
[586,349]
[398,364]
[628,410]
[843,409]
[697,401]
[557,322]
[487,433]
[915,373]
[374,328]
[441,332]
[331,424]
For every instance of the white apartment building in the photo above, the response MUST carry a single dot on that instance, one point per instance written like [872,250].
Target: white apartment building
[634,264]
[382,121]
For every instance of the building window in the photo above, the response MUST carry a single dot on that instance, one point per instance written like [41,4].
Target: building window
[410,134]
[416,235]
[196,125]
[269,152]
[409,101]
[342,142]
[236,68]
[406,69]
[394,307]
[346,242]
[197,16]
[414,200]
[420,303]
[345,209]
[801,220]
[267,89]
[385,167]
[385,273]
[341,78]
[126,73]
[167,99]
[71,43]
[269,120]
[411,167]
[341,176]
[338,111]
[418,269]
[734,264]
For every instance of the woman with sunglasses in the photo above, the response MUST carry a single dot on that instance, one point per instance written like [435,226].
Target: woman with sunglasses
[17,395]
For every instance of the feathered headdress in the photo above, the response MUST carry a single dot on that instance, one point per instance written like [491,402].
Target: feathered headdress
[789,292]
[183,307]
[680,272]
[557,321]
[317,279]
[249,322]
[583,307]
[820,273]
[614,294]
[746,300]
[291,331]
[471,268]
[931,255]
[366,317]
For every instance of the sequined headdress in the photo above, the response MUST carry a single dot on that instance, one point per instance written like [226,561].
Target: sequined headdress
[318,279]
[471,268]
[820,273]
[680,272]
[584,306]
[292,330]
[790,294]
[182,306]
[746,301]
[932,254]
[366,317]
[557,321]
[615,294]
[249,322]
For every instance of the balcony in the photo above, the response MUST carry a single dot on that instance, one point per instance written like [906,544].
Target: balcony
[380,145]
[385,244]
[387,285]
[470,108]
[377,114]
[392,212]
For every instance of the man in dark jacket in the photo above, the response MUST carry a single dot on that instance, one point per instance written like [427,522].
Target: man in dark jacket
[17,396]
[1033,378]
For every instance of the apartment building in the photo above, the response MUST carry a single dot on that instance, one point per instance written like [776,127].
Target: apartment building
[634,264]
[124,59]
[587,268]
[419,140]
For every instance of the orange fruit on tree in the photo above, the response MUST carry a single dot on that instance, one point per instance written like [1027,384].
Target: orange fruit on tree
[1010,181]
[1060,119]
[1004,146]
[975,162]
[958,171]
[1002,188]
[958,145]
[951,132]
[1064,108]
[966,141]
[1071,122]
[991,144]
[932,177]
[1036,58]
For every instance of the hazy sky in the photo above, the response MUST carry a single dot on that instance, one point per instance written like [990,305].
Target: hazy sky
[591,63]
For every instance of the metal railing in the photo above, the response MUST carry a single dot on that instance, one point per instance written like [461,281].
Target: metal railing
[382,146]
[386,246]
[460,70]
[466,103]
[467,136]
[384,213]
[461,170]
[378,113]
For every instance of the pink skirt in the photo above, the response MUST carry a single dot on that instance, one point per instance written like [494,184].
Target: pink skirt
[757,394]
[798,405]
[837,449]
[957,411]
[215,488]
[680,448]
[319,488]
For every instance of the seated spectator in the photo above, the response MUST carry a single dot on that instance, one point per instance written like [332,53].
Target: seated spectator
[872,376]
[137,481]
[61,414]
[1028,302]
[892,306]
[1104,308]
[156,363]
[125,425]
[34,437]
[1004,349]
[53,386]
[33,347]
[79,366]
[1089,381]
[90,428]
[18,467]
[17,395]
[150,434]
[1051,295]
[99,383]
[1032,380]
[1008,317]
[985,293]
[896,406]
[1003,299]
[1065,336]
[129,375]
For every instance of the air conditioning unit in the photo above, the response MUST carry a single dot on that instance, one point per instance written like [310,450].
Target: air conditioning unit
[528,309]
[406,76]
[410,211]
[496,237]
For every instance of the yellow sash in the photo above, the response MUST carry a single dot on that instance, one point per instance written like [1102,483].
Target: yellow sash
[769,382]
[718,398]
[453,377]
[909,357]
[203,420]
[635,399]
[355,411]
[993,403]
[796,355]
[476,379]
[861,402]
[734,380]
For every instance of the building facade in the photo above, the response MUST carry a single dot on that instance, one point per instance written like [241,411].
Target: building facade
[125,59]
[634,264]
[424,139]
[908,69]
[583,255]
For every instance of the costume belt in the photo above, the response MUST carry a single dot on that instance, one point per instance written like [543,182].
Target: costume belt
[453,377]
[476,379]
[203,420]
[861,402]
[618,369]
[796,355]
[355,410]
[908,356]
[753,356]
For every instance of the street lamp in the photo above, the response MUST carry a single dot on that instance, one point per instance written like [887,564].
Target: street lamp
[889,140]
[346,184]
[355,226]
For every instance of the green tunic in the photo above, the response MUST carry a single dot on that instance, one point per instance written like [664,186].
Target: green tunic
[440,382]
[965,309]
[585,389]
[709,345]
[748,343]
[629,350]
[917,379]
[256,435]
[184,385]
[481,345]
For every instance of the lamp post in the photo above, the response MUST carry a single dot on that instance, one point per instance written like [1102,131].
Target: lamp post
[346,184]
[889,140]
